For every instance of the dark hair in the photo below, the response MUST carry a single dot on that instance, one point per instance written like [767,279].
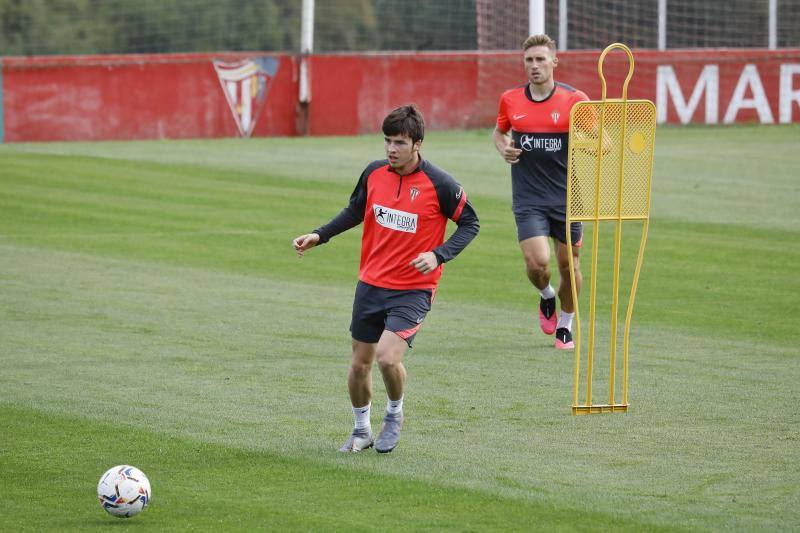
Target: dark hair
[405,120]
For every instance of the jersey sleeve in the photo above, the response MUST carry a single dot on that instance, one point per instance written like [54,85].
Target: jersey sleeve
[352,215]
[503,122]
[455,205]
[452,197]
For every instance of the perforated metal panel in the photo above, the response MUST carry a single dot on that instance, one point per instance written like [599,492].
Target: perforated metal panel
[622,157]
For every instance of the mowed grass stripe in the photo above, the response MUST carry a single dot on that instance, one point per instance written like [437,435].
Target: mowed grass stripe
[203,487]
[150,187]
[244,223]
[159,213]
[743,174]
[255,364]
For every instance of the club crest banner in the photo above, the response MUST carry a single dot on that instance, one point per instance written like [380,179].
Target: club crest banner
[246,84]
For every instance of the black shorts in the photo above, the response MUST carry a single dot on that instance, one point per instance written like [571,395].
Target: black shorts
[546,222]
[400,311]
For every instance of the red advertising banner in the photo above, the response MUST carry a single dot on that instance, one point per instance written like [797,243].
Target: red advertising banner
[704,86]
[254,94]
[351,94]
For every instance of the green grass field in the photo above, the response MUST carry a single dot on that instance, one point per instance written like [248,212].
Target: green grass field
[153,313]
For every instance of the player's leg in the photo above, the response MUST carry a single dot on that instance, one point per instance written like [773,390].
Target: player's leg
[536,253]
[391,349]
[564,325]
[359,378]
[405,314]
[359,385]
[533,230]
[564,286]
[366,328]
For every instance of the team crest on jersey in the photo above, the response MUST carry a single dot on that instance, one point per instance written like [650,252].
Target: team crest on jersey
[395,219]
[246,84]
[414,193]
[554,115]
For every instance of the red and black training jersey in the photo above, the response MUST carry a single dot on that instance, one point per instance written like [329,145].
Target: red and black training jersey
[541,129]
[404,216]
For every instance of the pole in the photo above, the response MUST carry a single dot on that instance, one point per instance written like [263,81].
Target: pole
[773,24]
[306,48]
[535,17]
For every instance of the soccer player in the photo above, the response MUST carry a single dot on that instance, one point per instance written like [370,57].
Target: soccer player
[404,202]
[537,116]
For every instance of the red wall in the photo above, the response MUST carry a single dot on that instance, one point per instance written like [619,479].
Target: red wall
[132,97]
[179,96]
[353,93]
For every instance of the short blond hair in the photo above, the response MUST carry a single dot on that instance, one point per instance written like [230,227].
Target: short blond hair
[539,40]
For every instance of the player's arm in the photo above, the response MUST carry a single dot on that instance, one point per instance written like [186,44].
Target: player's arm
[505,146]
[455,206]
[585,130]
[304,242]
[467,228]
[349,217]
[500,136]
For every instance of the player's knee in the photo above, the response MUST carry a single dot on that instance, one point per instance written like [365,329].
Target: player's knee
[387,361]
[359,369]
[535,267]
[563,265]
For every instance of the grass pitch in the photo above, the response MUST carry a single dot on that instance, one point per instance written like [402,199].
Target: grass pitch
[153,313]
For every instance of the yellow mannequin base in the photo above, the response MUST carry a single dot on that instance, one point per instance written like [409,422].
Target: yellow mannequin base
[597,409]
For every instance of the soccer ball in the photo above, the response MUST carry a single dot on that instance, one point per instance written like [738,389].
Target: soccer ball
[123,491]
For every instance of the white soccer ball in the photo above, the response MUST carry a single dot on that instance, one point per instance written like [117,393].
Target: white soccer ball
[123,491]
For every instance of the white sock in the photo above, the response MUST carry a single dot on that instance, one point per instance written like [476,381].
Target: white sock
[394,407]
[547,292]
[361,415]
[565,320]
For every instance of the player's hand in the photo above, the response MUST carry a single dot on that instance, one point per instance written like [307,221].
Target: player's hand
[587,141]
[304,242]
[425,262]
[511,154]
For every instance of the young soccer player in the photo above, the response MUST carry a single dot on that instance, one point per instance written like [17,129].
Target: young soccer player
[404,202]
